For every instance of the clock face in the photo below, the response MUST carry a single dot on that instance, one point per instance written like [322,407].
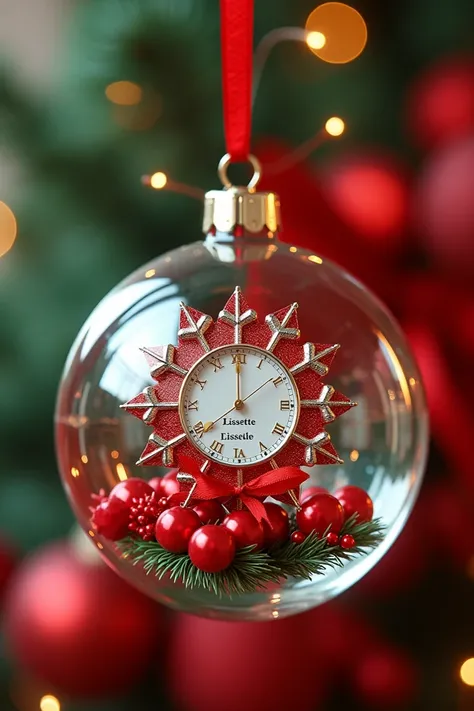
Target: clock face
[239,405]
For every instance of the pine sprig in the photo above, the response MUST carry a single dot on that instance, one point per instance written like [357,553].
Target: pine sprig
[251,570]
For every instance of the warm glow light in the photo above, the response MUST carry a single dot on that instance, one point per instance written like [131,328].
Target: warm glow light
[412,381]
[49,703]
[84,459]
[293,249]
[354,455]
[315,40]
[315,259]
[344,31]
[335,126]
[121,471]
[158,180]
[91,533]
[150,273]
[275,614]
[124,93]
[114,454]
[7,228]
[467,672]
[75,472]
[100,546]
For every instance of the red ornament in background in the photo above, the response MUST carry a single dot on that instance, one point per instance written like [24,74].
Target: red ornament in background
[7,565]
[319,513]
[212,548]
[355,500]
[174,528]
[440,104]
[129,489]
[210,511]
[77,626]
[370,191]
[166,485]
[443,207]
[311,491]
[384,678]
[215,665]
[298,537]
[246,530]
[278,530]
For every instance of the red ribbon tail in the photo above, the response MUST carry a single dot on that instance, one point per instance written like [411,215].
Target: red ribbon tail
[256,508]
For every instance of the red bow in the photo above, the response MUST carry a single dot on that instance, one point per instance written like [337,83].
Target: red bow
[272,483]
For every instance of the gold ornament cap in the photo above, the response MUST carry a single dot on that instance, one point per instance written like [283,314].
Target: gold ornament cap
[239,206]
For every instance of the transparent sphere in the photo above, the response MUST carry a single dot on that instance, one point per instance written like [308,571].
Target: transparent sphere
[383,441]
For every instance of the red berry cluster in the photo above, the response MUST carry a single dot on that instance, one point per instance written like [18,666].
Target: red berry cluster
[320,511]
[144,513]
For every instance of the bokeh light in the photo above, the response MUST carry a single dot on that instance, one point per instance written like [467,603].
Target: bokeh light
[467,672]
[49,703]
[8,228]
[335,126]
[315,40]
[124,93]
[344,31]
[158,180]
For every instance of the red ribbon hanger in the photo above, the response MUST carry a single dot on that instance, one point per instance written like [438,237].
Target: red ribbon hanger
[273,483]
[237,54]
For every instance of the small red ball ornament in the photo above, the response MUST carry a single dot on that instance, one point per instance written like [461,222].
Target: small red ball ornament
[311,491]
[210,511]
[129,489]
[347,542]
[175,527]
[319,513]
[212,548]
[332,539]
[166,485]
[245,528]
[277,531]
[298,537]
[110,519]
[355,500]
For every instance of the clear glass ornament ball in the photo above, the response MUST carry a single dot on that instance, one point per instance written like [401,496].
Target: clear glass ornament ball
[383,441]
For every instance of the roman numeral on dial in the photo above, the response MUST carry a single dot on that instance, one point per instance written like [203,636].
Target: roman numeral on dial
[263,447]
[239,358]
[239,453]
[259,366]
[284,404]
[278,429]
[217,447]
[198,428]
[277,381]
[192,405]
[216,362]
[201,383]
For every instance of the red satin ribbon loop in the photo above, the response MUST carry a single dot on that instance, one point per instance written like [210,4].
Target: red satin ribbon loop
[273,483]
[236,52]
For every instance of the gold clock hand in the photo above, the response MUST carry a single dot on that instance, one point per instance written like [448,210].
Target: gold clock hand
[238,401]
[209,425]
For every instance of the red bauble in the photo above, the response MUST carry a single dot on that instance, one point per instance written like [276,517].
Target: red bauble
[318,513]
[212,548]
[7,565]
[298,537]
[210,511]
[242,665]
[166,485]
[129,489]
[444,208]
[278,530]
[384,678]
[245,528]
[110,519]
[77,626]
[353,500]
[332,539]
[441,102]
[311,491]
[175,527]
[347,542]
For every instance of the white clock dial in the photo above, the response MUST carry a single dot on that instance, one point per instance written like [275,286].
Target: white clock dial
[239,405]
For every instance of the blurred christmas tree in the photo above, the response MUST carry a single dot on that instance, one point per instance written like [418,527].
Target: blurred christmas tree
[138,91]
